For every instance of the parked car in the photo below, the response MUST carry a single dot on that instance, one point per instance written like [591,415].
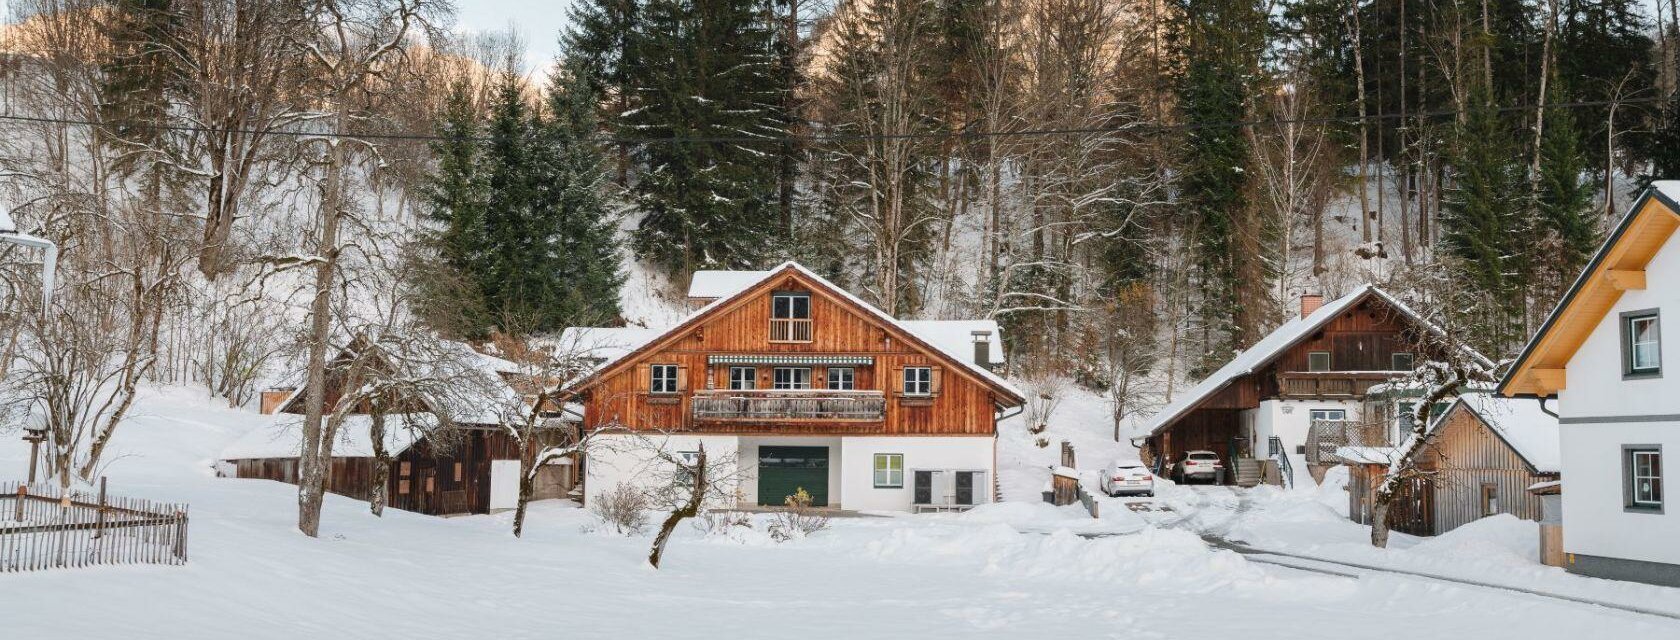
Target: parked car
[1128,478]
[1198,465]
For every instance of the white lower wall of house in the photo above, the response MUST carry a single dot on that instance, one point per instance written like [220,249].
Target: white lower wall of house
[1595,520]
[954,453]
[1290,421]
[634,459]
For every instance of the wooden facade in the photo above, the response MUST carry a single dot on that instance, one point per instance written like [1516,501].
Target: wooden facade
[841,329]
[424,478]
[1361,343]
[1473,473]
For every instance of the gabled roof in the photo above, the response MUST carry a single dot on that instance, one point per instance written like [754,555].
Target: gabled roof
[1618,265]
[1521,423]
[487,368]
[1280,340]
[767,279]
[719,284]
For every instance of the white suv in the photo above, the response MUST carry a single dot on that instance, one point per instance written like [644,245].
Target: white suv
[1200,465]
[1128,478]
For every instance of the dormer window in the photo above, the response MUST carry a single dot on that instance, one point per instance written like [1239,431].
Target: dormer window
[790,317]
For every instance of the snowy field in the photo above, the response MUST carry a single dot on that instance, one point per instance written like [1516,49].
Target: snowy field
[1015,570]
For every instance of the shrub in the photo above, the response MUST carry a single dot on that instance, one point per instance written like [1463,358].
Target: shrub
[798,519]
[623,507]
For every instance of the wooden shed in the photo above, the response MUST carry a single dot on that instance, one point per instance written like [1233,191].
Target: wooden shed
[1483,454]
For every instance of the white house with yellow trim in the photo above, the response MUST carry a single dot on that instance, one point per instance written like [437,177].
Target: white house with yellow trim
[1602,355]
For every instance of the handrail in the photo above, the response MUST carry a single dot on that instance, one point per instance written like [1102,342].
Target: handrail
[1275,443]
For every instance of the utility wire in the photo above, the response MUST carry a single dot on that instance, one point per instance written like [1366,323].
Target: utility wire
[1141,129]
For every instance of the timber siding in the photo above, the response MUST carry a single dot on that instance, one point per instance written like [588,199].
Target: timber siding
[961,402]
[1468,455]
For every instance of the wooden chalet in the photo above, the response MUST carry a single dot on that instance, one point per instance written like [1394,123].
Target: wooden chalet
[1260,410]
[808,387]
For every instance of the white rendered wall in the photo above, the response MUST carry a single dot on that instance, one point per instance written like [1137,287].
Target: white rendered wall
[632,459]
[955,453]
[1595,520]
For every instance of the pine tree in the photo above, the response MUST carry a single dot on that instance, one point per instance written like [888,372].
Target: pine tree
[705,71]
[1564,202]
[137,75]
[601,44]
[457,191]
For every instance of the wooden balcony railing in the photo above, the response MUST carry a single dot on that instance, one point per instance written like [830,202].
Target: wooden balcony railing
[790,329]
[1329,383]
[763,405]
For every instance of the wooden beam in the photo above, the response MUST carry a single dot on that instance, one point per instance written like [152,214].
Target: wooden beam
[1625,279]
[1549,380]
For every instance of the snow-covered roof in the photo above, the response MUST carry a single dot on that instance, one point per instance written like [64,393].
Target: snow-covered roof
[966,363]
[607,343]
[956,337]
[720,284]
[483,367]
[281,436]
[1278,341]
[1533,433]
[1368,455]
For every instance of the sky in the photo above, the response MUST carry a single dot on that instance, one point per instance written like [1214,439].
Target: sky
[537,22]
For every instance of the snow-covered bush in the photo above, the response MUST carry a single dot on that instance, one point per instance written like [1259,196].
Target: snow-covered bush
[798,520]
[722,523]
[622,507]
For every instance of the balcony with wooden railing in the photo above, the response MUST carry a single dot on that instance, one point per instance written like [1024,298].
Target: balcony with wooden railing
[1330,384]
[789,405]
[790,329]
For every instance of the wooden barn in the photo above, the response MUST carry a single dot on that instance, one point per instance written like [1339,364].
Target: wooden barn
[1483,455]
[470,467]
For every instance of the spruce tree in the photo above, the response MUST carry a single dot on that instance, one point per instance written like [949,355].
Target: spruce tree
[600,44]
[1564,201]
[452,299]
[1485,232]
[585,257]
[705,71]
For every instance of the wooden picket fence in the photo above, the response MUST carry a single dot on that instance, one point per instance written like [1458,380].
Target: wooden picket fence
[43,528]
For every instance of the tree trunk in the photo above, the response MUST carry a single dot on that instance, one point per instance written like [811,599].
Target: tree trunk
[1379,533]
[313,463]
[527,485]
[688,510]
[1364,135]
[381,463]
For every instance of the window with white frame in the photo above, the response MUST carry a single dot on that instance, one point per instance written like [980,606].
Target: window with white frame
[918,381]
[743,378]
[790,306]
[791,378]
[1400,362]
[1318,361]
[664,378]
[1644,477]
[842,378]
[1641,344]
[1317,415]
[889,471]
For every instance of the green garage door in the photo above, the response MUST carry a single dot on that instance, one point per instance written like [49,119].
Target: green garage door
[782,471]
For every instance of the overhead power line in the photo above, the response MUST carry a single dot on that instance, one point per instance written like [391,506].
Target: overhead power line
[1139,129]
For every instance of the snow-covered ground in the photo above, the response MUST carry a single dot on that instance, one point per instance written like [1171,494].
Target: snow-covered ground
[1018,569]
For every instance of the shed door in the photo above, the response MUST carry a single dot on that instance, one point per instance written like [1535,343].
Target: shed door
[783,471]
[504,484]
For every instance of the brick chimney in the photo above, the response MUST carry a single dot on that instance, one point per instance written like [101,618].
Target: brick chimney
[1310,302]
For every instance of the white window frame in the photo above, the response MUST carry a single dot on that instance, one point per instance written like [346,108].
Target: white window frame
[790,297]
[738,382]
[1329,361]
[793,382]
[835,378]
[918,381]
[1632,322]
[1315,415]
[883,475]
[664,379]
[1649,498]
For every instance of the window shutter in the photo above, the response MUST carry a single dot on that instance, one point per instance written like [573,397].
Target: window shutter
[644,378]
[897,382]
[934,380]
[682,377]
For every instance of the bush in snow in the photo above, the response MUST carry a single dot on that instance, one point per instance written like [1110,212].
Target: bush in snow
[721,523]
[798,520]
[622,507]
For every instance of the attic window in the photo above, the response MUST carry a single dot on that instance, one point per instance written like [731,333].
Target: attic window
[790,317]
[1318,361]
